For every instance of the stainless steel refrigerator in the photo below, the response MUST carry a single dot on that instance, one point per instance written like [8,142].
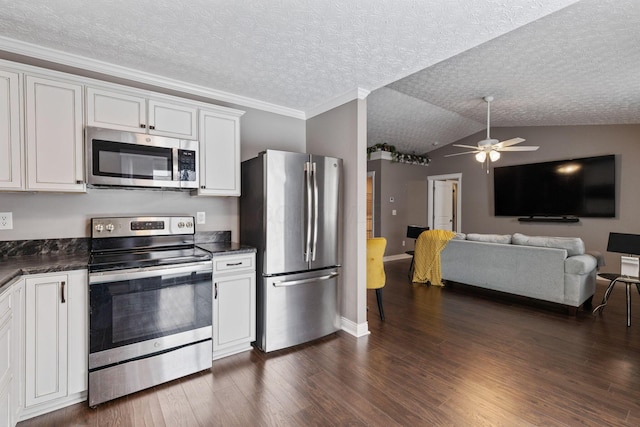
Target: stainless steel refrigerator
[289,211]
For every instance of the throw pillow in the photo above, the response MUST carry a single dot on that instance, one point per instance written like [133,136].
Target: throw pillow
[490,238]
[573,245]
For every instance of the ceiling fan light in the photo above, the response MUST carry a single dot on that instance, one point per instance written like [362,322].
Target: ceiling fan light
[481,156]
[494,155]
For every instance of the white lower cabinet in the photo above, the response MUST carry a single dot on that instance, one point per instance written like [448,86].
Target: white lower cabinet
[7,360]
[234,304]
[10,345]
[55,371]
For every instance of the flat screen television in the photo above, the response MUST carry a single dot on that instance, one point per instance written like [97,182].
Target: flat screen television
[583,187]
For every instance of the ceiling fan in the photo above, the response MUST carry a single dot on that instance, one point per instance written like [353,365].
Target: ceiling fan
[489,149]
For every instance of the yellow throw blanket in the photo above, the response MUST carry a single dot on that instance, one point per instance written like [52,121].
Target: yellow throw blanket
[427,256]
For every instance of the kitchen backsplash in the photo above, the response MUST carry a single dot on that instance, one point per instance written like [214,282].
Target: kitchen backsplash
[12,248]
[213,236]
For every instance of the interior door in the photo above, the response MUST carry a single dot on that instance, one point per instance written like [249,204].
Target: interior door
[443,205]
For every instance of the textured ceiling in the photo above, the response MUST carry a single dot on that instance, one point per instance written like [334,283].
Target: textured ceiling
[546,62]
[580,65]
[293,53]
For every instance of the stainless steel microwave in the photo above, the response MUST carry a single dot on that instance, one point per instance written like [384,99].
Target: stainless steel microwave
[128,159]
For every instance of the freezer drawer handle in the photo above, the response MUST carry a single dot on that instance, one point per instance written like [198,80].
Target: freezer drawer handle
[303,281]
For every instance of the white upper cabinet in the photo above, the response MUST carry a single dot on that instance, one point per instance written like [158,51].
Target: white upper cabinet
[137,113]
[54,135]
[219,152]
[116,110]
[178,121]
[10,141]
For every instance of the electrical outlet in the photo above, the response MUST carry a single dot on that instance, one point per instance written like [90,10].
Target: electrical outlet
[403,243]
[201,218]
[6,221]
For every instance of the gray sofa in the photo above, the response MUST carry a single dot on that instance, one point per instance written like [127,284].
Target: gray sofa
[553,269]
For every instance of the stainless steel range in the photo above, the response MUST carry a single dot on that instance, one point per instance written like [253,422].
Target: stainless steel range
[150,292]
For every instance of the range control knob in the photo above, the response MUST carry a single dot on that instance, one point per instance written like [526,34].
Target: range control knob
[181,224]
[99,228]
[109,227]
[189,224]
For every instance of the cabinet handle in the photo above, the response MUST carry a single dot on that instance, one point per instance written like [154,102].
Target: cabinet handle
[215,296]
[62,292]
[202,187]
[152,127]
[142,125]
[233,264]
[79,181]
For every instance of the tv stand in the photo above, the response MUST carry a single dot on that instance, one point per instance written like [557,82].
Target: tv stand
[549,219]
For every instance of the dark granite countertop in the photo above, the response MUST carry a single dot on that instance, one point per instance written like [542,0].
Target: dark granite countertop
[12,267]
[218,248]
[15,266]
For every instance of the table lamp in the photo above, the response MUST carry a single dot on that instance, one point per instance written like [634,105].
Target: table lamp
[627,244]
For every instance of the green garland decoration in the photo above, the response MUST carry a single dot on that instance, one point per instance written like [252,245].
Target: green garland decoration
[396,156]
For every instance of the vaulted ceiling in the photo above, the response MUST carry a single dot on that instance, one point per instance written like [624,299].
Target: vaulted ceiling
[427,63]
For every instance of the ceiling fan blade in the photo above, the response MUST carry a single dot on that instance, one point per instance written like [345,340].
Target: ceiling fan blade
[509,142]
[464,152]
[523,148]
[465,146]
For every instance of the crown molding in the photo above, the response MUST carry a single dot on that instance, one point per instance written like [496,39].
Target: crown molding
[349,96]
[77,61]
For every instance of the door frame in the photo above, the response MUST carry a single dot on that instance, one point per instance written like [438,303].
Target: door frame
[448,177]
[372,175]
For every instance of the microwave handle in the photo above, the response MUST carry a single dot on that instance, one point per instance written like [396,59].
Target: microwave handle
[176,161]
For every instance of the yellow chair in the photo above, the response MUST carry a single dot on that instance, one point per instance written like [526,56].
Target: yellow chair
[376,277]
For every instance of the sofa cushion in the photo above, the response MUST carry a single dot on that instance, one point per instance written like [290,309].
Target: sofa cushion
[573,245]
[580,264]
[490,238]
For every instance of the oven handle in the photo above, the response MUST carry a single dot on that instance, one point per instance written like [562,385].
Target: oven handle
[117,276]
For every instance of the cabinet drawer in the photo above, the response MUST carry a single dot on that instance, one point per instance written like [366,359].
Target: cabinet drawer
[230,263]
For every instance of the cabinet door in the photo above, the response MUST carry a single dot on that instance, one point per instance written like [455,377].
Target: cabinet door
[219,154]
[173,120]
[78,330]
[115,110]
[7,370]
[45,339]
[234,309]
[10,147]
[54,135]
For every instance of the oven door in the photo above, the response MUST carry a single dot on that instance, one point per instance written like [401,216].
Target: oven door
[136,313]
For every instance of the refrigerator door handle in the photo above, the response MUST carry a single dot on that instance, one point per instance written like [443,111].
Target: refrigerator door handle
[284,283]
[307,177]
[315,212]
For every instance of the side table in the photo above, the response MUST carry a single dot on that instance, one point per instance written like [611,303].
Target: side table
[614,278]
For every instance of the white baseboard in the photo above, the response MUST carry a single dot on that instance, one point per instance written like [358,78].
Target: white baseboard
[355,329]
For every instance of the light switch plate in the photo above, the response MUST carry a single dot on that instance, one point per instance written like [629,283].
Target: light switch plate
[6,221]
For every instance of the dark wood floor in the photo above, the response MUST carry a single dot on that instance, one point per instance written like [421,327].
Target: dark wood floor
[445,356]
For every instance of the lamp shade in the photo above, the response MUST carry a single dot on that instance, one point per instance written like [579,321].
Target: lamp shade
[481,156]
[624,243]
[494,155]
